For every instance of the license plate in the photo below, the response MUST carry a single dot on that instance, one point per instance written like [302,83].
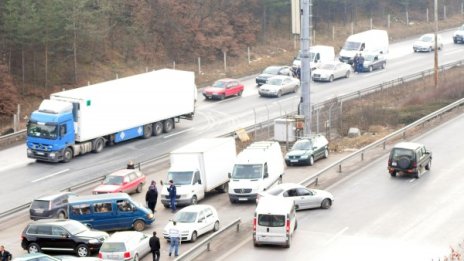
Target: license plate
[242,199]
[115,257]
[40,153]
[393,164]
[39,211]
[293,160]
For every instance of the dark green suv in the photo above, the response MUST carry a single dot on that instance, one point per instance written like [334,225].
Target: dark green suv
[307,150]
[409,158]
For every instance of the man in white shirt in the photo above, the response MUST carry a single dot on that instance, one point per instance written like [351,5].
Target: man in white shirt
[174,238]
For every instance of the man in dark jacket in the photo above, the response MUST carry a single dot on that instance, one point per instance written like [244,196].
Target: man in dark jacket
[152,197]
[5,255]
[172,195]
[155,246]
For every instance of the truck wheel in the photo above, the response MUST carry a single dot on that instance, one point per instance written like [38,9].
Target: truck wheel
[147,131]
[194,200]
[168,125]
[67,155]
[428,166]
[98,145]
[225,188]
[157,128]
[139,225]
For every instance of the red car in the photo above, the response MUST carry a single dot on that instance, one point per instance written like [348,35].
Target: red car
[125,180]
[223,88]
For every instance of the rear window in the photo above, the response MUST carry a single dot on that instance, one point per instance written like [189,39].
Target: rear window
[271,220]
[113,247]
[42,204]
[398,152]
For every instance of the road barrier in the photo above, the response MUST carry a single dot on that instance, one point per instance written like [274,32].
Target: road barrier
[205,245]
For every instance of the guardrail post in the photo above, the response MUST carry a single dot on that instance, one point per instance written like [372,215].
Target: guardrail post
[384,145]
[317,181]
[404,135]
[208,247]
[340,168]
[238,227]
[362,155]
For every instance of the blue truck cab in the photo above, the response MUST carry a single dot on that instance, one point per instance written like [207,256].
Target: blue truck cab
[50,131]
[112,211]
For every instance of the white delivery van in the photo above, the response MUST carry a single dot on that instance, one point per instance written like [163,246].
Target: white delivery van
[317,54]
[257,168]
[371,41]
[200,167]
[274,221]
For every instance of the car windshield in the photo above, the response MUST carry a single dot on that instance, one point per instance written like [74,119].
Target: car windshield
[48,131]
[42,204]
[302,145]
[351,46]
[274,81]
[75,228]
[113,247]
[113,180]
[219,84]
[426,38]
[185,217]
[327,66]
[180,177]
[247,171]
[272,70]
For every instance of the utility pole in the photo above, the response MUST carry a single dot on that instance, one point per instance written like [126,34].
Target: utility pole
[436,44]
[305,71]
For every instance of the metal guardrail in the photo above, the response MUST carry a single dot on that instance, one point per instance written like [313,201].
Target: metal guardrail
[401,132]
[205,245]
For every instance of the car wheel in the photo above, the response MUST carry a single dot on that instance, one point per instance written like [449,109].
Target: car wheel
[157,128]
[194,200]
[326,153]
[136,257]
[347,74]
[404,162]
[371,68]
[296,224]
[194,236]
[166,205]
[326,203]
[82,250]
[232,201]
[384,65]
[279,93]
[295,89]
[393,174]
[61,215]
[331,78]
[428,166]
[139,188]
[222,97]
[430,49]
[216,226]
[67,155]
[311,161]
[168,125]
[139,225]
[417,174]
[33,248]
[147,131]
[288,242]
[239,93]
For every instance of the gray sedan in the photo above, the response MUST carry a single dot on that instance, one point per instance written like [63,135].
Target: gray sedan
[331,70]
[276,86]
[374,62]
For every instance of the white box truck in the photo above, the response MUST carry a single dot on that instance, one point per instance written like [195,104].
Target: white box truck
[86,119]
[317,54]
[200,167]
[371,41]
[257,168]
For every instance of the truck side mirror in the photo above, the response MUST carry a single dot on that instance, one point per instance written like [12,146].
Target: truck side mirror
[228,174]
[199,181]
[266,174]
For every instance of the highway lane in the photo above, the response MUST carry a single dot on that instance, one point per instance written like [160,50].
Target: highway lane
[213,118]
[376,217]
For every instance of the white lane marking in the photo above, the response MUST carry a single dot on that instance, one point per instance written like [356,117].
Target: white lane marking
[177,133]
[332,239]
[412,180]
[51,175]
[229,253]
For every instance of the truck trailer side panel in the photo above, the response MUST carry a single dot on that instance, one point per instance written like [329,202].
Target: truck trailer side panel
[110,107]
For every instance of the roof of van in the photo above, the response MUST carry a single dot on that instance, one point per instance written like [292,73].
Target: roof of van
[274,205]
[369,33]
[203,145]
[99,197]
[54,196]
[256,152]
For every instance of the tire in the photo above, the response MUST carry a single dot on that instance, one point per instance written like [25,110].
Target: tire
[224,188]
[331,78]
[61,215]
[295,89]
[239,93]
[139,225]
[393,174]
[326,153]
[404,162]
[136,257]
[296,224]
[82,250]
[326,203]
[166,205]
[279,94]
[168,125]
[216,226]
[371,68]
[157,128]
[194,200]
[98,145]
[33,248]
[289,242]
[311,161]
[232,201]
[417,174]
[222,97]
[194,236]
[428,166]
[139,188]
[430,49]
[384,65]
[147,131]
[347,74]
[67,155]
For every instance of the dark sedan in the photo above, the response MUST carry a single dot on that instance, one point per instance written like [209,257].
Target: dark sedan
[273,71]
[374,62]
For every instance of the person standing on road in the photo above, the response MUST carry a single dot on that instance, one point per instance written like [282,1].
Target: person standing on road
[155,246]
[172,195]
[174,238]
[360,63]
[5,255]
[355,63]
[152,196]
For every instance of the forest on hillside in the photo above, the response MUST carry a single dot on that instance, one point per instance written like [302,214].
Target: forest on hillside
[50,43]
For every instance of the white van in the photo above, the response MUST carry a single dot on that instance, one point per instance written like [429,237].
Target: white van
[256,168]
[371,41]
[317,54]
[274,221]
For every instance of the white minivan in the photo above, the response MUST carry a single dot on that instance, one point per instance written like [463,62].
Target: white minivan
[274,221]
[257,168]
[370,41]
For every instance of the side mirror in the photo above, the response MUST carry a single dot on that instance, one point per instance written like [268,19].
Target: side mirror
[199,181]
[266,175]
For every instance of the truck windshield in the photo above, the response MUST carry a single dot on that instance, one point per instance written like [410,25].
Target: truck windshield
[247,171]
[180,177]
[42,131]
[351,46]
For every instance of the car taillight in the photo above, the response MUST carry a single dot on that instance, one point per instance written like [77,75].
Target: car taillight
[287,227]
[254,224]
[414,164]
[127,254]
[389,162]
[100,255]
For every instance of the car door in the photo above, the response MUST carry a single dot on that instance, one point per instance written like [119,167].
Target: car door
[62,239]
[202,223]
[231,88]
[210,219]
[45,238]
[142,245]
[293,194]
[308,198]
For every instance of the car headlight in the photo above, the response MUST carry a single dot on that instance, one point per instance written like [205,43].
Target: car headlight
[304,156]
[150,216]
[94,241]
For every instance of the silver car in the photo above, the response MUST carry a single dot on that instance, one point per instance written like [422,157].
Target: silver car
[305,198]
[426,43]
[276,86]
[331,71]
[126,245]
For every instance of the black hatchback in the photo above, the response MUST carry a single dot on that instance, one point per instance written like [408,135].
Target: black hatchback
[61,235]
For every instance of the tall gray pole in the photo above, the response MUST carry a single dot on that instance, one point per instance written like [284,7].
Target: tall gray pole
[436,45]
[306,29]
